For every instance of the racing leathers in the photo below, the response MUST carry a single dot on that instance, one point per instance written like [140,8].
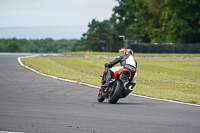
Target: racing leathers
[128,62]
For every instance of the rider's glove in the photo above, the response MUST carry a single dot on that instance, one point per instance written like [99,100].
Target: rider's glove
[106,65]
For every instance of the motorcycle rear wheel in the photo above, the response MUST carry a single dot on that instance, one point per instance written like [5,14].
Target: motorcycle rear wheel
[100,97]
[116,93]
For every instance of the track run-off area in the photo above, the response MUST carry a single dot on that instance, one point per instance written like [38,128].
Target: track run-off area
[33,102]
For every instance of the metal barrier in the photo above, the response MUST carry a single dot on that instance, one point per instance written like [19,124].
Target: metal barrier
[165,48]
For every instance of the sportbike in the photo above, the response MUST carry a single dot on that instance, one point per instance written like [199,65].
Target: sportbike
[116,88]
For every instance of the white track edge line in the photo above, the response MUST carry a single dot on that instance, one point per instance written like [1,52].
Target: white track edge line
[10,132]
[20,62]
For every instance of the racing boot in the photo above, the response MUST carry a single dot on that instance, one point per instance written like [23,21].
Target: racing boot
[108,78]
[128,88]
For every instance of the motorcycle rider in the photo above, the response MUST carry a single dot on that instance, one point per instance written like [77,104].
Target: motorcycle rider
[127,61]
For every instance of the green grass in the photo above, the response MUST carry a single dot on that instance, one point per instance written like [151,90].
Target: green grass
[175,79]
[91,53]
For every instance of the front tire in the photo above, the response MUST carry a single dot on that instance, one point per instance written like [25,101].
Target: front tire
[100,97]
[116,93]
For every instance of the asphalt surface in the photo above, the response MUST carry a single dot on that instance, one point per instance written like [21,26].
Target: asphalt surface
[30,102]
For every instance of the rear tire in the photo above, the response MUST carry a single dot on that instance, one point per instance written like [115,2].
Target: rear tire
[116,93]
[100,97]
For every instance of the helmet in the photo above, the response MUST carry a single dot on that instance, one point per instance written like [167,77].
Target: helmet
[128,51]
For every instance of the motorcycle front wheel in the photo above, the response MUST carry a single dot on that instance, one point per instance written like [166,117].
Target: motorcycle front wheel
[116,92]
[100,97]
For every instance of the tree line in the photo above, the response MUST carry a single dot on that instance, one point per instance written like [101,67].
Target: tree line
[156,21]
[150,21]
[47,45]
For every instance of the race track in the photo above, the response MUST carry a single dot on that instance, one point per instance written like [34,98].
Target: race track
[30,102]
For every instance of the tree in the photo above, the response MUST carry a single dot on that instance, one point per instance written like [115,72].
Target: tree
[160,20]
[14,47]
[124,15]
[182,19]
[99,37]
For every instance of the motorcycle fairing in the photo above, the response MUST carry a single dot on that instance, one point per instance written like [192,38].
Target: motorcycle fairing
[120,71]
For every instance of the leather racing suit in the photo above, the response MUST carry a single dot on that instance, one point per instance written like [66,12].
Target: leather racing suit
[127,61]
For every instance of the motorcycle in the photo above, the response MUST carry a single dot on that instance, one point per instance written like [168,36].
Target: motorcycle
[116,88]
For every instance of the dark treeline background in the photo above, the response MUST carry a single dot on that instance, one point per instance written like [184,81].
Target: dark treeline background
[37,46]
[147,21]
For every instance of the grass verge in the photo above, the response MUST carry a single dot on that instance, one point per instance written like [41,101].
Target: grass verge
[175,79]
[91,53]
